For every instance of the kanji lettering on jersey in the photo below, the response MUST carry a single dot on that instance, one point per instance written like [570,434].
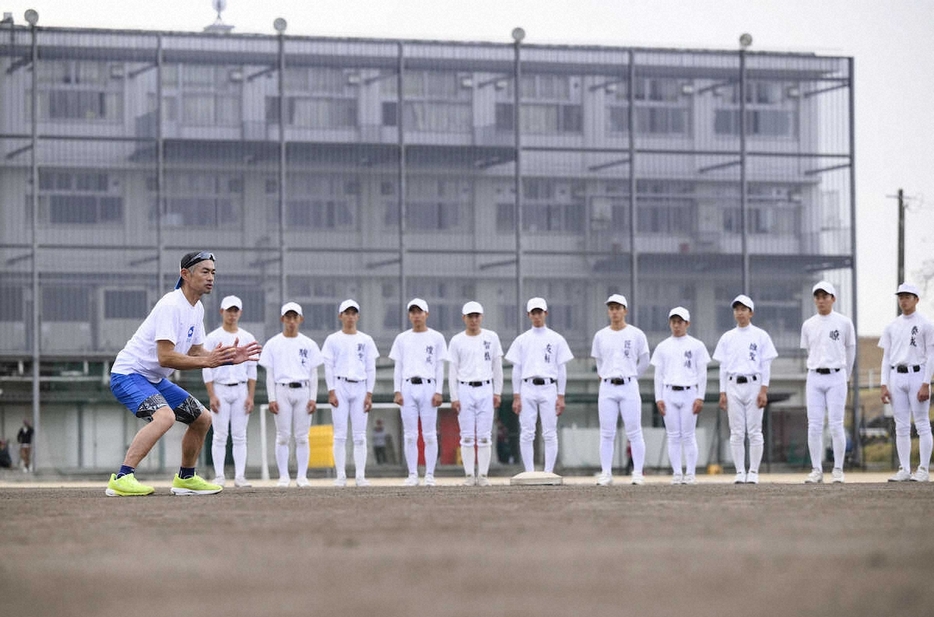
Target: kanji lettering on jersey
[834,335]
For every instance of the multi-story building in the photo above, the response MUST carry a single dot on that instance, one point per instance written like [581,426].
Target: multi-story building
[321,169]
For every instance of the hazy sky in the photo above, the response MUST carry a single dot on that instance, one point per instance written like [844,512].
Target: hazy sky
[891,41]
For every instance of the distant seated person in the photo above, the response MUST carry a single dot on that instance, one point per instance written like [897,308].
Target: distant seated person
[5,461]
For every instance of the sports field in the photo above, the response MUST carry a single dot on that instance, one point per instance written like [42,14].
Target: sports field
[779,548]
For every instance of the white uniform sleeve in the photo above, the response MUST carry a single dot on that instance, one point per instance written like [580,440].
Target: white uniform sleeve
[329,376]
[516,379]
[270,386]
[439,367]
[723,378]
[397,376]
[766,372]
[850,350]
[702,375]
[313,384]
[928,352]
[562,379]
[452,376]
[207,375]
[659,385]
[498,375]
[371,368]
[642,362]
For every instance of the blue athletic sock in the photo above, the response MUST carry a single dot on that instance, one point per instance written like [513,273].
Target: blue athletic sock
[186,472]
[125,470]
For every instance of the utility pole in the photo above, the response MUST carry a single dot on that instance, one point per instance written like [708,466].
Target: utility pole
[901,243]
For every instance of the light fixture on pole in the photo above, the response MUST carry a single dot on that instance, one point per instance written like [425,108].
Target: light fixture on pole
[518,35]
[745,40]
[279,25]
[31,16]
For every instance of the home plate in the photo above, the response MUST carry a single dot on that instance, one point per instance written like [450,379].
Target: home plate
[535,478]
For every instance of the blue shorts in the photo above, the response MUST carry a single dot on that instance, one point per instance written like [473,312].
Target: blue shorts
[142,397]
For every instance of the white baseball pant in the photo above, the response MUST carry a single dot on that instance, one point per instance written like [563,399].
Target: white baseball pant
[293,420]
[903,389]
[416,405]
[476,424]
[538,401]
[620,401]
[826,393]
[232,416]
[680,426]
[745,417]
[350,397]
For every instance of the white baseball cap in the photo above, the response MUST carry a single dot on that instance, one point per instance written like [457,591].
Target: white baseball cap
[681,312]
[231,301]
[908,288]
[826,287]
[618,299]
[536,303]
[472,307]
[744,300]
[291,306]
[346,304]
[419,303]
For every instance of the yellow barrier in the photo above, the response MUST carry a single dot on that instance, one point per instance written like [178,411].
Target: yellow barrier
[321,445]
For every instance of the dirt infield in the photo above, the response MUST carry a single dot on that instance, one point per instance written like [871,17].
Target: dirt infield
[386,551]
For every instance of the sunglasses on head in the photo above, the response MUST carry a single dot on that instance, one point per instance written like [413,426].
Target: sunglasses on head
[199,257]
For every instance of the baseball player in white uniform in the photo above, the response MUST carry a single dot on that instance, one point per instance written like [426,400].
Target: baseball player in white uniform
[539,378]
[418,380]
[907,365]
[830,340]
[350,372]
[745,354]
[475,382]
[622,354]
[291,360]
[230,390]
[680,363]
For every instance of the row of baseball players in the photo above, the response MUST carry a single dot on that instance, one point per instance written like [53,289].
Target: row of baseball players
[172,338]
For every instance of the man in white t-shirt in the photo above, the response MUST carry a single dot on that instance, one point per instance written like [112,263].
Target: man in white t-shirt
[291,360]
[417,378]
[745,354]
[907,365]
[171,339]
[539,378]
[622,354]
[231,390]
[830,341]
[475,382]
[350,372]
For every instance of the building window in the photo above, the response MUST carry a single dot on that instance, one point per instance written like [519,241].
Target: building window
[771,209]
[202,199]
[320,298]
[11,304]
[666,207]
[434,101]
[432,204]
[206,95]
[548,206]
[319,202]
[661,108]
[80,90]
[551,104]
[770,112]
[317,98]
[70,304]
[123,304]
[79,198]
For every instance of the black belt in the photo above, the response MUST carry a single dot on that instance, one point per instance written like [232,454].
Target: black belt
[475,384]
[744,378]
[350,380]
[826,371]
[907,369]
[541,381]
[618,381]
[295,384]
[231,385]
[680,388]
[419,380]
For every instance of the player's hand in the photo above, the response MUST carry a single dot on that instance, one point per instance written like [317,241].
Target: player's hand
[368,402]
[215,404]
[247,352]
[497,401]
[559,405]
[273,407]
[661,407]
[924,393]
[698,405]
[248,406]
[312,406]
[397,399]
[722,403]
[516,404]
[456,406]
[220,356]
[886,397]
[763,399]
[332,398]
[436,400]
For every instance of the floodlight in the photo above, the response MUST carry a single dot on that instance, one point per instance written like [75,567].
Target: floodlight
[31,17]
[745,40]
[518,34]
[280,25]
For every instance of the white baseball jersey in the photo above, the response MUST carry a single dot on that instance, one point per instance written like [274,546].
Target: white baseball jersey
[475,358]
[173,319]
[290,359]
[908,341]
[745,351]
[830,341]
[351,356]
[680,361]
[419,354]
[234,373]
[539,352]
[620,353]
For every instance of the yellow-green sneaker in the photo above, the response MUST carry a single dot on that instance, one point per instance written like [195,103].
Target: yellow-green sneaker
[195,485]
[126,486]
